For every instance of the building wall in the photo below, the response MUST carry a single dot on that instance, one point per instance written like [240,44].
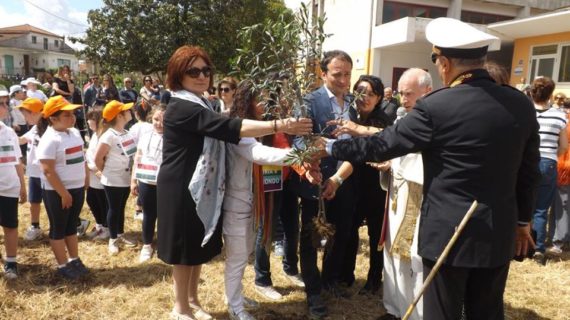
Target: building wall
[46,60]
[522,53]
[350,25]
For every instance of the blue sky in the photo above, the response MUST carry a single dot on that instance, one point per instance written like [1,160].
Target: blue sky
[63,17]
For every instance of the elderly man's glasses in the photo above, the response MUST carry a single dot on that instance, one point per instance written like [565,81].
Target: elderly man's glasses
[195,72]
[559,98]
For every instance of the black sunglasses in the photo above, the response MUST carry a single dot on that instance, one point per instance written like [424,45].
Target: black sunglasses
[434,57]
[195,72]
[225,90]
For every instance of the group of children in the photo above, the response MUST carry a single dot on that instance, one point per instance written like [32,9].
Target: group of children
[116,163]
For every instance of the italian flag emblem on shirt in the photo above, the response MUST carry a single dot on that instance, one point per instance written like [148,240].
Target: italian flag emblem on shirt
[7,155]
[129,147]
[74,155]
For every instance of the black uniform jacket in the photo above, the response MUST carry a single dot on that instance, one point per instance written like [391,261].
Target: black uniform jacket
[479,141]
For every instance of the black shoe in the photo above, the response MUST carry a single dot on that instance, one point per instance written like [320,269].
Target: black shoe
[317,307]
[11,270]
[387,316]
[78,265]
[68,272]
[370,288]
[336,291]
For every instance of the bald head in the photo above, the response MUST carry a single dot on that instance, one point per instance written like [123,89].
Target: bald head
[414,84]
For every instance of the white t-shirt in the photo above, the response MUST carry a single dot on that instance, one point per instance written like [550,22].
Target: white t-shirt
[17,115]
[37,94]
[66,148]
[10,155]
[150,146]
[94,182]
[119,160]
[32,166]
[139,129]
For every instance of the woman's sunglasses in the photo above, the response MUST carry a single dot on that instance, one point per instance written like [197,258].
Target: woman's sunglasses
[225,90]
[195,72]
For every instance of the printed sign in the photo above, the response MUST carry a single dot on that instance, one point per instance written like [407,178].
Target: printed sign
[129,146]
[8,156]
[74,155]
[272,178]
[146,171]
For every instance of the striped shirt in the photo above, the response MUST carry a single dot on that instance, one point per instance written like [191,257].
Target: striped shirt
[552,121]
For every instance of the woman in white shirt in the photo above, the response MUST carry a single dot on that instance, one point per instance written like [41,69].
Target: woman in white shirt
[114,157]
[60,153]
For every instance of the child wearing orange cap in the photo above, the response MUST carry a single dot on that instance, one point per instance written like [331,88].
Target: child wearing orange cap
[31,108]
[114,158]
[12,186]
[62,162]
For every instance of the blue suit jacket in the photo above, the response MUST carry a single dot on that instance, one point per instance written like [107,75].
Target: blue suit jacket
[320,110]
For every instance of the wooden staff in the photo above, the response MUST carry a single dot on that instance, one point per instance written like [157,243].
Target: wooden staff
[442,258]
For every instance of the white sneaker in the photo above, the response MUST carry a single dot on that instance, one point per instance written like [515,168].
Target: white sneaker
[103,235]
[555,250]
[199,313]
[268,292]
[296,280]
[82,228]
[126,241]
[278,249]
[138,215]
[113,246]
[146,253]
[33,233]
[244,315]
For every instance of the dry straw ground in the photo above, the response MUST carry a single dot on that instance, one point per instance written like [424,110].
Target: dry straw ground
[121,288]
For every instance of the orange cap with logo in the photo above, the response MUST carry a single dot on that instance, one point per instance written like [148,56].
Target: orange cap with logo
[32,105]
[57,103]
[113,108]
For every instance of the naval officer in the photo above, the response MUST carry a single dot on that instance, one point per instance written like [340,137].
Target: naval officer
[479,141]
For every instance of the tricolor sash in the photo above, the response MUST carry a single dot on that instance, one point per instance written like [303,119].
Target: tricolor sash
[8,155]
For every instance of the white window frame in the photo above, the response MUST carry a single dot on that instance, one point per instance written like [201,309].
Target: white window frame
[557,59]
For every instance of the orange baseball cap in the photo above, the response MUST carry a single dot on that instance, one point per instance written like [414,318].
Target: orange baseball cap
[57,103]
[113,108]
[32,104]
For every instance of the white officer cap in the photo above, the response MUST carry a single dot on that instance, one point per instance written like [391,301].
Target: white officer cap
[456,39]
[4,93]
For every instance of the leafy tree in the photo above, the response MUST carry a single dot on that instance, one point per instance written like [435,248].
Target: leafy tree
[141,35]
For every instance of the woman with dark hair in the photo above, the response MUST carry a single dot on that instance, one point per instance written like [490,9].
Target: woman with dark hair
[192,173]
[553,142]
[108,90]
[63,83]
[244,164]
[149,92]
[226,91]
[369,92]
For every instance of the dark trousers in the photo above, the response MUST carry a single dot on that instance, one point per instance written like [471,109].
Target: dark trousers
[478,290]
[370,207]
[63,222]
[97,202]
[339,212]
[286,210]
[147,192]
[116,200]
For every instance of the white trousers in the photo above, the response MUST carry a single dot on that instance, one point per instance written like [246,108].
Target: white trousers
[238,241]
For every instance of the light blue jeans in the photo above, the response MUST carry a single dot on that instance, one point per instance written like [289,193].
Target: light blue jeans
[545,195]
